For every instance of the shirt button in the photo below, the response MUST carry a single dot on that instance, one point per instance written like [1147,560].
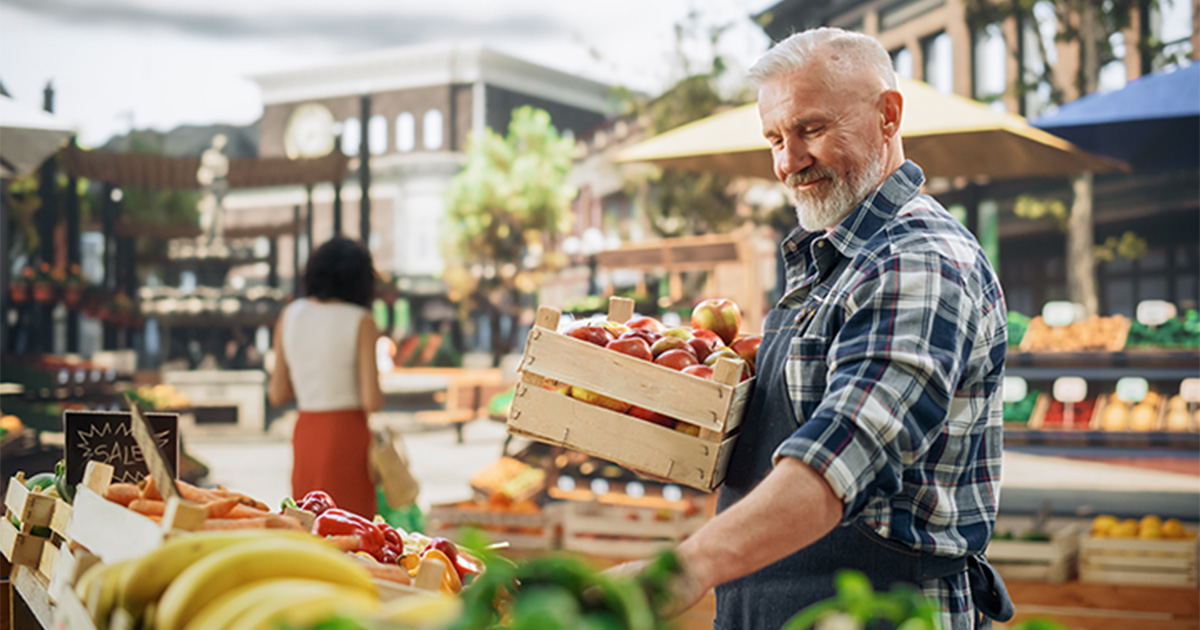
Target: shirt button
[820,243]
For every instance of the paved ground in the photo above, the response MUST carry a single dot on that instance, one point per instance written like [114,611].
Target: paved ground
[261,466]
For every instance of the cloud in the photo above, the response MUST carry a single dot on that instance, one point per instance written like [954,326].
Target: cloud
[345,31]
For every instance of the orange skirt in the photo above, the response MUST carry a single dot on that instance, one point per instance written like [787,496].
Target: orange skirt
[329,452]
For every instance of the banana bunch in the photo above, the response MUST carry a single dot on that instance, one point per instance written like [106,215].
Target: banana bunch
[239,580]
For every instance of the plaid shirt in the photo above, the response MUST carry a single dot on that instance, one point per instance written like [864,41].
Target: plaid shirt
[896,375]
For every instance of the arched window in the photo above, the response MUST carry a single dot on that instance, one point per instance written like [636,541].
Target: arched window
[406,132]
[431,130]
[377,135]
[351,136]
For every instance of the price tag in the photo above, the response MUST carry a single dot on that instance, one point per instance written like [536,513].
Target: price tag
[1189,390]
[1155,312]
[1058,313]
[1070,389]
[1132,389]
[1015,389]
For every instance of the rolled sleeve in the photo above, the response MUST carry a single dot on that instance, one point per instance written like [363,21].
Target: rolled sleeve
[892,370]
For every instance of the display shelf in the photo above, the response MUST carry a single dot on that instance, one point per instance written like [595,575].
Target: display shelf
[1152,365]
[1111,439]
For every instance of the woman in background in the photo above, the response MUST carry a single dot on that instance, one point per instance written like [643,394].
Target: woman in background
[325,359]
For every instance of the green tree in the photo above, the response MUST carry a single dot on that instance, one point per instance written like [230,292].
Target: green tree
[506,210]
[676,202]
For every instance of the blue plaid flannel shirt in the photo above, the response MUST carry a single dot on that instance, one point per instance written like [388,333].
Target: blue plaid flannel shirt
[896,380]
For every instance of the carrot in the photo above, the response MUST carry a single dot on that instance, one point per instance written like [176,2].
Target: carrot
[148,507]
[222,491]
[186,490]
[122,493]
[240,510]
[235,523]
[219,508]
[389,572]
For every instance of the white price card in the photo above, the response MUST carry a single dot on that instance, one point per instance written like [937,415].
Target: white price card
[1015,389]
[1132,389]
[1189,390]
[1155,312]
[1058,313]
[1070,389]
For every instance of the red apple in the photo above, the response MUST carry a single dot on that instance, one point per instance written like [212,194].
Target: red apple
[555,386]
[720,316]
[651,416]
[670,343]
[676,359]
[616,328]
[641,333]
[592,398]
[747,348]
[592,334]
[701,371]
[708,334]
[703,346]
[646,323]
[633,346]
[718,353]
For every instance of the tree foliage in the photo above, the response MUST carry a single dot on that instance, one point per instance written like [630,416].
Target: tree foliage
[506,210]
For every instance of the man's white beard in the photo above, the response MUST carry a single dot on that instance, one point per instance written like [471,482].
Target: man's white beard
[820,210]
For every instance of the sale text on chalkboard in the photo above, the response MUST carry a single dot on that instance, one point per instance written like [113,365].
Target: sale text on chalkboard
[105,436]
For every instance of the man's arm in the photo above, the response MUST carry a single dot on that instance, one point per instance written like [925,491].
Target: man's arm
[790,509]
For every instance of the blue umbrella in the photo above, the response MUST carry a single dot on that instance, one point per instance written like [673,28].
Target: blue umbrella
[1152,123]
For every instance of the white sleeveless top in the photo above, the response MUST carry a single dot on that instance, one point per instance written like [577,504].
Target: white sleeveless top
[320,344]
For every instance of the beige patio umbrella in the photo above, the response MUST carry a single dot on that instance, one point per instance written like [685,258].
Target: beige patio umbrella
[947,135]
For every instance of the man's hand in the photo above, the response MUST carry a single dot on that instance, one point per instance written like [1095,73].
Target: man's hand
[683,591]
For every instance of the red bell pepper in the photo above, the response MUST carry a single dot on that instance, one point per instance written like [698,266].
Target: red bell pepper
[316,502]
[338,522]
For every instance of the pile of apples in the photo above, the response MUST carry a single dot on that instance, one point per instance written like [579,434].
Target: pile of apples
[715,333]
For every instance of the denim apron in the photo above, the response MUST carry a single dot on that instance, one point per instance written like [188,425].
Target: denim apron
[766,599]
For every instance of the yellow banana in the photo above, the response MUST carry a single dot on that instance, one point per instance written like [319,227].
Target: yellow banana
[155,570]
[421,611]
[226,609]
[337,600]
[99,589]
[224,570]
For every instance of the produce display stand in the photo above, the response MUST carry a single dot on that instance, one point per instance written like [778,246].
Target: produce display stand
[599,529]
[1139,562]
[1050,560]
[715,407]
[521,531]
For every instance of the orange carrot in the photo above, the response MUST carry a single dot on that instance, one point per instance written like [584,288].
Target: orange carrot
[148,507]
[122,493]
[279,521]
[244,511]
[219,508]
[186,490]
[243,499]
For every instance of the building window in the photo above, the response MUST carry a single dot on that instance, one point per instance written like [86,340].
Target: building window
[902,61]
[901,11]
[1039,35]
[351,136]
[991,59]
[431,130]
[406,132]
[1172,23]
[939,62]
[377,135]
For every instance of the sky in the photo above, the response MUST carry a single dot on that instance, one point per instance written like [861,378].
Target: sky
[123,64]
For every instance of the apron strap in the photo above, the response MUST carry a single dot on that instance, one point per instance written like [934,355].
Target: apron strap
[988,591]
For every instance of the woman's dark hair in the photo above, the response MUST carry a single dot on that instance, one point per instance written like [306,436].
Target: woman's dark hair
[341,269]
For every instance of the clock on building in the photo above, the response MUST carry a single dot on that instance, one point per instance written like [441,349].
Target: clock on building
[309,132]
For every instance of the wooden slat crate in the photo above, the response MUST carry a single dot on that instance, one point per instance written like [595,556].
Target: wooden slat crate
[1037,561]
[715,406]
[525,531]
[32,509]
[624,532]
[1140,562]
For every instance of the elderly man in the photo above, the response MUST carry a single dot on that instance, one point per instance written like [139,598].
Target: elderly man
[873,438]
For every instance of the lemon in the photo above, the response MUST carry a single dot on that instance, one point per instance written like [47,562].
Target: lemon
[1150,520]
[1173,528]
[1125,529]
[1102,525]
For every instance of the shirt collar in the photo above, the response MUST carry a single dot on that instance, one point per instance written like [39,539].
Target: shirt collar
[863,222]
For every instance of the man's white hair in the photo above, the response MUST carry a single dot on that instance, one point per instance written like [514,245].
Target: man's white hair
[845,53]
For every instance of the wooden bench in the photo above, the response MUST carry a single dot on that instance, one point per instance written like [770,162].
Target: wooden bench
[463,397]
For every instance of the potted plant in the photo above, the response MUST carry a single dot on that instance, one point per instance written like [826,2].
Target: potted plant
[73,287]
[18,289]
[43,284]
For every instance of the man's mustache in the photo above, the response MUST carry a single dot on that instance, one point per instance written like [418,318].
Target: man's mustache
[809,175]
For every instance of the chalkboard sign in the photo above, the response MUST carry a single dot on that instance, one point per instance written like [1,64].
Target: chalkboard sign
[106,436]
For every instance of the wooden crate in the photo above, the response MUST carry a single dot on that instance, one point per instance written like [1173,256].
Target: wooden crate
[525,531]
[606,530]
[1036,561]
[715,406]
[1140,562]
[32,509]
